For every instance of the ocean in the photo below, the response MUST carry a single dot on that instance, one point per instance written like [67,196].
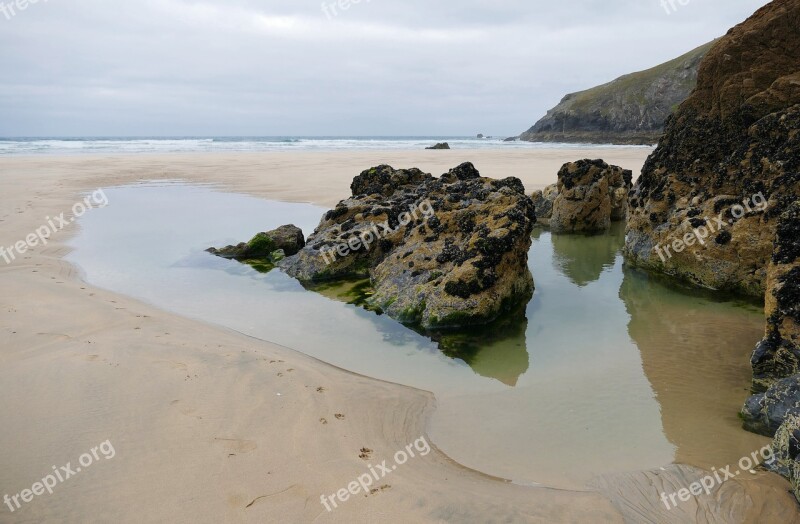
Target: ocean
[123,145]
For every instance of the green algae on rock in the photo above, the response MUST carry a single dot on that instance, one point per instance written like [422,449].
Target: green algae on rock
[464,263]
[265,250]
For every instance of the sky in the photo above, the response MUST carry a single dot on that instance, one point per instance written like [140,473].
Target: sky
[312,67]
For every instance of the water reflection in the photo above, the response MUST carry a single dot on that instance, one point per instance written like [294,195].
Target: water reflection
[695,351]
[583,258]
[497,350]
[603,371]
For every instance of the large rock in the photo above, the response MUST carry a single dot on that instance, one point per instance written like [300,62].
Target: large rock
[590,195]
[441,145]
[444,252]
[727,165]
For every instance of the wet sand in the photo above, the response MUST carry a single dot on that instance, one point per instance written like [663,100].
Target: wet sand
[211,426]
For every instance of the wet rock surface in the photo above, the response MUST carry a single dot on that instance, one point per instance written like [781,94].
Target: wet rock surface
[786,452]
[270,246]
[440,252]
[765,412]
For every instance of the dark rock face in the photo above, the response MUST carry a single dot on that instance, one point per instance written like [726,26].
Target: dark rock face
[590,195]
[440,253]
[442,145]
[786,452]
[630,110]
[543,202]
[730,146]
[287,239]
[778,354]
[764,413]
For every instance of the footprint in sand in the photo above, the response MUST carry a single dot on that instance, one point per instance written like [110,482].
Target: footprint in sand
[373,491]
[235,445]
[339,416]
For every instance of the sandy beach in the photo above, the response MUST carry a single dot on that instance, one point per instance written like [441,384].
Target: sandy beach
[209,425]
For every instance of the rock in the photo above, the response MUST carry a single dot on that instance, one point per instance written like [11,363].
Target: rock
[543,201]
[442,145]
[765,412]
[589,197]
[630,110]
[786,453]
[441,253]
[480,135]
[511,139]
[778,354]
[730,149]
[286,239]
[289,239]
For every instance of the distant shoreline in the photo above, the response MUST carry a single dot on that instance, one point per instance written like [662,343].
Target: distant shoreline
[65,146]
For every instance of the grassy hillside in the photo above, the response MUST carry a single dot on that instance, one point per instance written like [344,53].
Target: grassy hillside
[630,109]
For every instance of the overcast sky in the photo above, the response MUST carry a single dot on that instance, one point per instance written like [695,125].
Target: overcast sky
[381,67]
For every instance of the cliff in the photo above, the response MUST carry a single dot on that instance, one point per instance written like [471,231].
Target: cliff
[630,110]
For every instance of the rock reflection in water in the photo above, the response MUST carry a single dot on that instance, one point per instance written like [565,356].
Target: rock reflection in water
[497,350]
[583,258]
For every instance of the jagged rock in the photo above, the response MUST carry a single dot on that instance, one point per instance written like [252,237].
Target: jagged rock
[287,239]
[442,145]
[630,110]
[543,201]
[511,139]
[440,253]
[731,147]
[589,197]
[765,412]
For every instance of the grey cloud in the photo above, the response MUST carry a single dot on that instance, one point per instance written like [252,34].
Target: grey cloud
[264,67]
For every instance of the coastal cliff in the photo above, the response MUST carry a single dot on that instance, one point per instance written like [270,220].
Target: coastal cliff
[629,110]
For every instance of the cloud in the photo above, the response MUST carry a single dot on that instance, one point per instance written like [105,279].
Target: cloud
[266,67]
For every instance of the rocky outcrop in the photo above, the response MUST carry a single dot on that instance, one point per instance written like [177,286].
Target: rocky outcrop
[269,247]
[543,202]
[717,200]
[440,253]
[706,206]
[786,452]
[442,145]
[590,195]
[630,110]
[778,354]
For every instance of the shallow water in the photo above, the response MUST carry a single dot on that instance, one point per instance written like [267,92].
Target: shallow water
[610,371]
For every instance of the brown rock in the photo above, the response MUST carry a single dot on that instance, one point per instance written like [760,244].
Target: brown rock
[590,194]
[734,138]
